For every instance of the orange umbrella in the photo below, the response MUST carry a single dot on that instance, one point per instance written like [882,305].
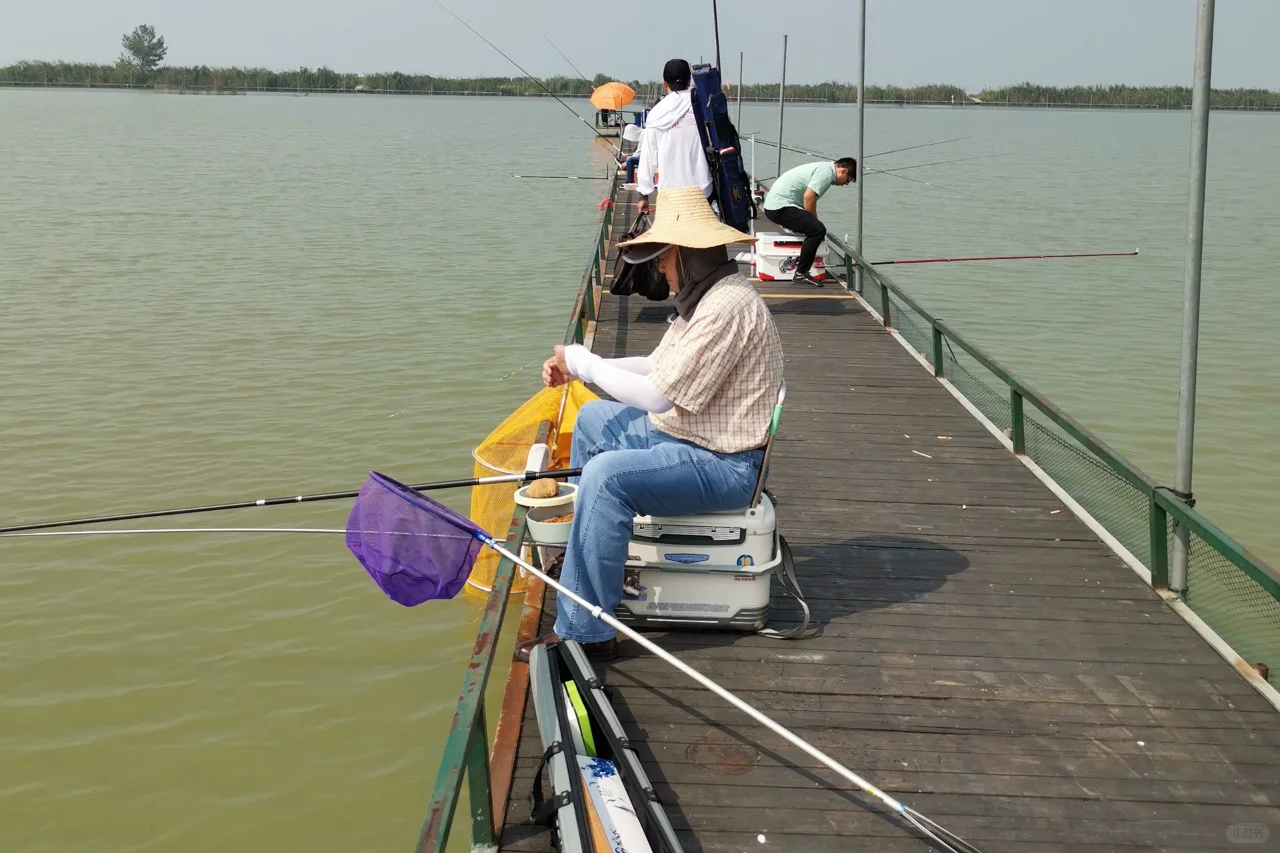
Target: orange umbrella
[612,96]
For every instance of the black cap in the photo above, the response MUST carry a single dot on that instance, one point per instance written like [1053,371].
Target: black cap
[677,74]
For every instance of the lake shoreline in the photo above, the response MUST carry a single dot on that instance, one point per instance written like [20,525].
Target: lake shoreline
[300,91]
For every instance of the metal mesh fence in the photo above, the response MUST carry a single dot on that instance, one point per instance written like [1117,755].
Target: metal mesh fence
[1243,613]
[1228,600]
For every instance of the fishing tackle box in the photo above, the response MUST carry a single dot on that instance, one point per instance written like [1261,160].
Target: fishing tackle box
[597,787]
[712,569]
[776,255]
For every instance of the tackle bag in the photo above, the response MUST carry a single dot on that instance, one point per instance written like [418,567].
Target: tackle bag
[600,797]
[730,183]
[644,278]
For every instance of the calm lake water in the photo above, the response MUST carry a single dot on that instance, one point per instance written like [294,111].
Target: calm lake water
[211,299]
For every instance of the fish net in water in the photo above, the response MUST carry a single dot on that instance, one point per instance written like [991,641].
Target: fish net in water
[506,451]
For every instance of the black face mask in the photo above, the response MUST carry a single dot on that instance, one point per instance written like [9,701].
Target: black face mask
[650,282]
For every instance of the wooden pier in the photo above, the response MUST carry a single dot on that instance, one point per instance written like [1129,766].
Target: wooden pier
[983,655]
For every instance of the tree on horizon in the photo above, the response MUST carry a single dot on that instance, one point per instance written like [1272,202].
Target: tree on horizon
[143,49]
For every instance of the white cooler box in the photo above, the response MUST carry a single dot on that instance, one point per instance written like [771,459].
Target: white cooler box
[711,570]
[776,256]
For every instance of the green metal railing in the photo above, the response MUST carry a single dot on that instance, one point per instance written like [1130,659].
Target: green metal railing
[466,753]
[1234,592]
[584,305]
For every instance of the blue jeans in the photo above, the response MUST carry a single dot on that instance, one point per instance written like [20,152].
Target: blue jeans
[631,468]
[631,163]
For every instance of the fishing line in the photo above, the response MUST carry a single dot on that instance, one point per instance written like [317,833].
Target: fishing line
[1008,258]
[533,79]
[525,477]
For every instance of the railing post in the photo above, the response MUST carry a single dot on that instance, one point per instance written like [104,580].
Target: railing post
[1159,544]
[483,835]
[885,306]
[937,349]
[1018,427]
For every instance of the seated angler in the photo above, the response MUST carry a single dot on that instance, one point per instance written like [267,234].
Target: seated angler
[687,433]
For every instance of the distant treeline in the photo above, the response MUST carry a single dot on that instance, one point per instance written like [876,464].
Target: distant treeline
[203,77]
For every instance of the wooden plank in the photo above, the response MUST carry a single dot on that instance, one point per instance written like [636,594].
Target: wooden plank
[980,651]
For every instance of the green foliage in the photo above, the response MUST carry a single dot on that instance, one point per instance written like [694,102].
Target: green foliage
[143,49]
[324,78]
[1168,97]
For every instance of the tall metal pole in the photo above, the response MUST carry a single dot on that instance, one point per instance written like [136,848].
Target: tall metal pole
[862,116]
[739,89]
[1191,291]
[782,88]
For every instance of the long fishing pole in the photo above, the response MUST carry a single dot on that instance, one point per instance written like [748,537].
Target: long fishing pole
[1008,258]
[535,80]
[527,476]
[934,163]
[826,156]
[581,76]
[948,841]
[715,16]
[565,177]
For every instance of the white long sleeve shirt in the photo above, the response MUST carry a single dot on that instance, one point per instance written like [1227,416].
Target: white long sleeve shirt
[624,379]
[672,147]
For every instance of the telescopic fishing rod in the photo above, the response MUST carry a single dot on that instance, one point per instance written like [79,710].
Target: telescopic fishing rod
[533,79]
[565,177]
[581,76]
[826,156]
[1008,258]
[525,477]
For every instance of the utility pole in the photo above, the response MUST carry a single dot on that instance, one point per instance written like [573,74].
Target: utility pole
[1191,290]
[862,114]
[782,89]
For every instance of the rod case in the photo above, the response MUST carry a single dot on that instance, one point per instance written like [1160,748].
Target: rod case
[731,185]
[560,725]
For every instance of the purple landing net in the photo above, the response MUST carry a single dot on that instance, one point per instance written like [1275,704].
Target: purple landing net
[414,548]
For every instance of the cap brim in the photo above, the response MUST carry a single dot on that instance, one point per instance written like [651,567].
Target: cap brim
[638,253]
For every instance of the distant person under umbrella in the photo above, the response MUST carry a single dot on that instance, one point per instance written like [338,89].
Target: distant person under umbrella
[792,202]
[671,146]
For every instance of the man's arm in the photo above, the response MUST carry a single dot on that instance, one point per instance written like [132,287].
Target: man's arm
[811,201]
[644,173]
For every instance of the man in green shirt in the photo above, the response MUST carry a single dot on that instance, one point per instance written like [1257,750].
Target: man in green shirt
[792,202]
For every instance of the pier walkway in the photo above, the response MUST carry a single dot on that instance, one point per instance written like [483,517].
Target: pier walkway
[982,655]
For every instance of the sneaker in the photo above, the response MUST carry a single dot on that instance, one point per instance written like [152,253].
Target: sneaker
[807,278]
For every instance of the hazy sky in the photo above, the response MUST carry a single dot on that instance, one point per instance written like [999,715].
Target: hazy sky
[972,43]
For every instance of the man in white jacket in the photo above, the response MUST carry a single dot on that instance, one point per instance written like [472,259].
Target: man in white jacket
[671,146]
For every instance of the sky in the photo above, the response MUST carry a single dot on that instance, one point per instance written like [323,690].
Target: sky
[970,43]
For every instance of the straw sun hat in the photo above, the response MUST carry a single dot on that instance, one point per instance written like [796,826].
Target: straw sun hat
[684,218]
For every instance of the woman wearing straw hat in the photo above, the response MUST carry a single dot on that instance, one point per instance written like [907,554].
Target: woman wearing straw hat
[687,432]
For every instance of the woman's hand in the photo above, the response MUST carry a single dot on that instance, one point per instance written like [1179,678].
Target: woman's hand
[555,372]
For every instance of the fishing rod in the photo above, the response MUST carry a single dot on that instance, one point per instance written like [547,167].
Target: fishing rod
[535,80]
[1008,258]
[565,177]
[525,477]
[935,163]
[826,156]
[715,16]
[581,76]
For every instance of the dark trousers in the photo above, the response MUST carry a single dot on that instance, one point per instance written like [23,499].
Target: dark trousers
[801,221]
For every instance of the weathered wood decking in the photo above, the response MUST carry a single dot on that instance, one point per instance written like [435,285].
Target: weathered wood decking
[983,655]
